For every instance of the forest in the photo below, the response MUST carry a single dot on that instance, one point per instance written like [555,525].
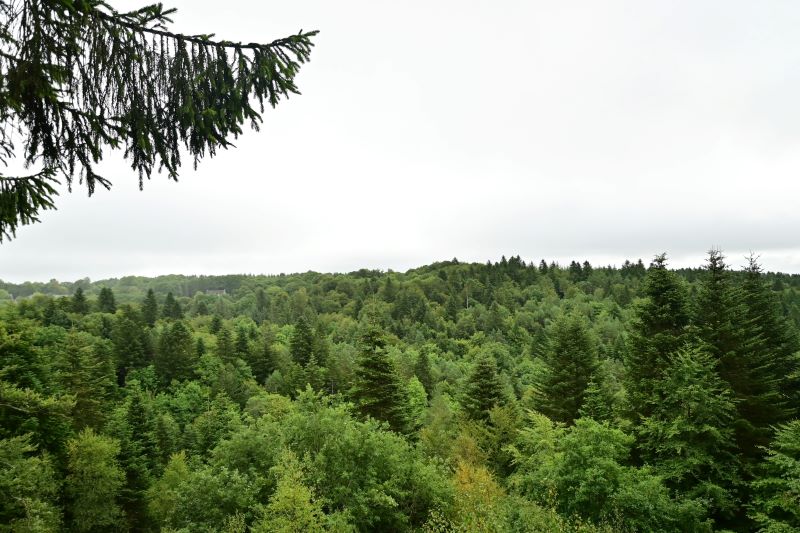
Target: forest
[509,396]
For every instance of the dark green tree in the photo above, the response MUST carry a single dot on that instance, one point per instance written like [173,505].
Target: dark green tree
[172,309]
[377,390]
[226,350]
[776,504]
[736,342]
[659,328]
[106,302]
[778,341]
[61,63]
[482,390]
[301,344]
[689,437]
[571,360]
[79,303]
[422,369]
[150,308]
[176,354]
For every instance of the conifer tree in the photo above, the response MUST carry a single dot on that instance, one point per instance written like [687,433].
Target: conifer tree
[172,309]
[422,369]
[689,437]
[301,345]
[482,390]
[776,505]
[777,341]
[736,344]
[79,303]
[106,302]
[176,353]
[94,481]
[80,77]
[571,360]
[659,329]
[377,390]
[150,308]
[226,351]
[242,344]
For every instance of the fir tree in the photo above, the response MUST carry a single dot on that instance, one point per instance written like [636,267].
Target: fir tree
[150,308]
[377,390]
[301,345]
[79,303]
[106,302]
[659,329]
[571,363]
[176,354]
[226,351]
[172,309]
[689,437]
[422,369]
[778,342]
[483,390]
[735,341]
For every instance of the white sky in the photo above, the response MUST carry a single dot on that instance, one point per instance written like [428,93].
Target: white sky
[471,129]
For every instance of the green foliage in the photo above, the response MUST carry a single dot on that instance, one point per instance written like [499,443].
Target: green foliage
[106,301]
[571,365]
[150,308]
[658,329]
[444,360]
[63,59]
[483,390]
[28,488]
[689,436]
[94,482]
[377,390]
[776,505]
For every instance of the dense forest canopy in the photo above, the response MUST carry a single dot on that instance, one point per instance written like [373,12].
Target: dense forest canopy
[506,396]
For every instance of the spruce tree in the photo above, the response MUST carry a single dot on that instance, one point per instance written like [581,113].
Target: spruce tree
[571,361]
[659,328]
[81,77]
[150,308]
[79,303]
[377,390]
[482,390]
[106,302]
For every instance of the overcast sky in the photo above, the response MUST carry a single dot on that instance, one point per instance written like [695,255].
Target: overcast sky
[436,129]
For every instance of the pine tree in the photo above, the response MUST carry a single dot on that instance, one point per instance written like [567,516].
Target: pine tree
[150,308]
[377,390]
[483,390]
[571,360]
[106,302]
[63,60]
[776,504]
[301,345]
[658,329]
[242,344]
[79,303]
